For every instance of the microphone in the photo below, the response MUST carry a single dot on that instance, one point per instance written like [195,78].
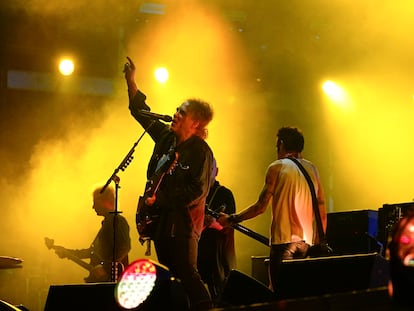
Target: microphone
[156,116]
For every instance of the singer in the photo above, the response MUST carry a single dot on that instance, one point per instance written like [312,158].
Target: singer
[181,196]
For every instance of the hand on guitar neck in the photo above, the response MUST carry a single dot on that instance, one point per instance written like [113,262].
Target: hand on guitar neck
[61,251]
[97,273]
[250,233]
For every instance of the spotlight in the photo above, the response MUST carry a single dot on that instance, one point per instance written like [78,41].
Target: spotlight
[161,74]
[66,67]
[148,285]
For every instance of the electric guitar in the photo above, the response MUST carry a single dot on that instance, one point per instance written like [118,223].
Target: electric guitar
[97,273]
[250,233]
[147,214]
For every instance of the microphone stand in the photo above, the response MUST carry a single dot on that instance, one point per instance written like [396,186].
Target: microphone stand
[122,166]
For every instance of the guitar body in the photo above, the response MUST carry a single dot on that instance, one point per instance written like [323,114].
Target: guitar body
[97,274]
[106,272]
[147,215]
[146,219]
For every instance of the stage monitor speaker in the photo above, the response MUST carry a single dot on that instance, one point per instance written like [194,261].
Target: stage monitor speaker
[82,297]
[371,299]
[260,265]
[328,275]
[353,232]
[241,289]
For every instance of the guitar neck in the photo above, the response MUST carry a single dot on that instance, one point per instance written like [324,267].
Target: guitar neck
[250,233]
[50,244]
[79,261]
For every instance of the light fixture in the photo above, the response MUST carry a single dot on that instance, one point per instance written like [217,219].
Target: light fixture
[148,285]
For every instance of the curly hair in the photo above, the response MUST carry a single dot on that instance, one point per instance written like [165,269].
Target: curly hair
[202,112]
[292,138]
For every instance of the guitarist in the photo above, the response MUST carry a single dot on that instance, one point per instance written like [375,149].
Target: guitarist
[286,190]
[101,250]
[181,196]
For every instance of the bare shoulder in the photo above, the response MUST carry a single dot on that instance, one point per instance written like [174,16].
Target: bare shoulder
[273,169]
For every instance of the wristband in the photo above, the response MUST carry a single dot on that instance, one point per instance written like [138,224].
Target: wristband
[233,219]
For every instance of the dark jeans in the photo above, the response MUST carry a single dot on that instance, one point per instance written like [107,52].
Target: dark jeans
[180,256]
[279,252]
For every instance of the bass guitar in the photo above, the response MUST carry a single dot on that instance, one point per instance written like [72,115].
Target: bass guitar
[250,233]
[147,214]
[97,273]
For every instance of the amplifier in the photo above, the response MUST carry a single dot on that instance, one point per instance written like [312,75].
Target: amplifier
[353,232]
[325,275]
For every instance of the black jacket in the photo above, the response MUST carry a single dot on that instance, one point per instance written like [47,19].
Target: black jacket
[182,194]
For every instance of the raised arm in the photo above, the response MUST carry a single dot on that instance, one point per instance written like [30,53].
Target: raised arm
[137,99]
[129,73]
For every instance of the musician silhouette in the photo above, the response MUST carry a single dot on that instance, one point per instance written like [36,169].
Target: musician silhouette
[216,252]
[103,248]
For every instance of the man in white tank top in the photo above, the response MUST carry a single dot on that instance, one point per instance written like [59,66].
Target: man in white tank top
[292,229]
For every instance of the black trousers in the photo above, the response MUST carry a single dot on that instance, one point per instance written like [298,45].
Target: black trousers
[280,252]
[180,256]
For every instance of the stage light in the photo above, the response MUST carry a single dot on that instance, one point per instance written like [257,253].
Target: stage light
[66,67]
[148,285]
[334,91]
[161,74]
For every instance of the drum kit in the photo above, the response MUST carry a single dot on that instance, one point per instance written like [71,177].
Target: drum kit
[8,262]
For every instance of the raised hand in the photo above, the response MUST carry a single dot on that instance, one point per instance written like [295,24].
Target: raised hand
[129,73]
[129,69]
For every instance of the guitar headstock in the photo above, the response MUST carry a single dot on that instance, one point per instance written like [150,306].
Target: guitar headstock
[50,243]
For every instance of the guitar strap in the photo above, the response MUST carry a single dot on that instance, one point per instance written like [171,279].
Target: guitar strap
[212,197]
[168,157]
[315,204]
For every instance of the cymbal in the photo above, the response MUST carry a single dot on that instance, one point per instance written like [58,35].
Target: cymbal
[7,262]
